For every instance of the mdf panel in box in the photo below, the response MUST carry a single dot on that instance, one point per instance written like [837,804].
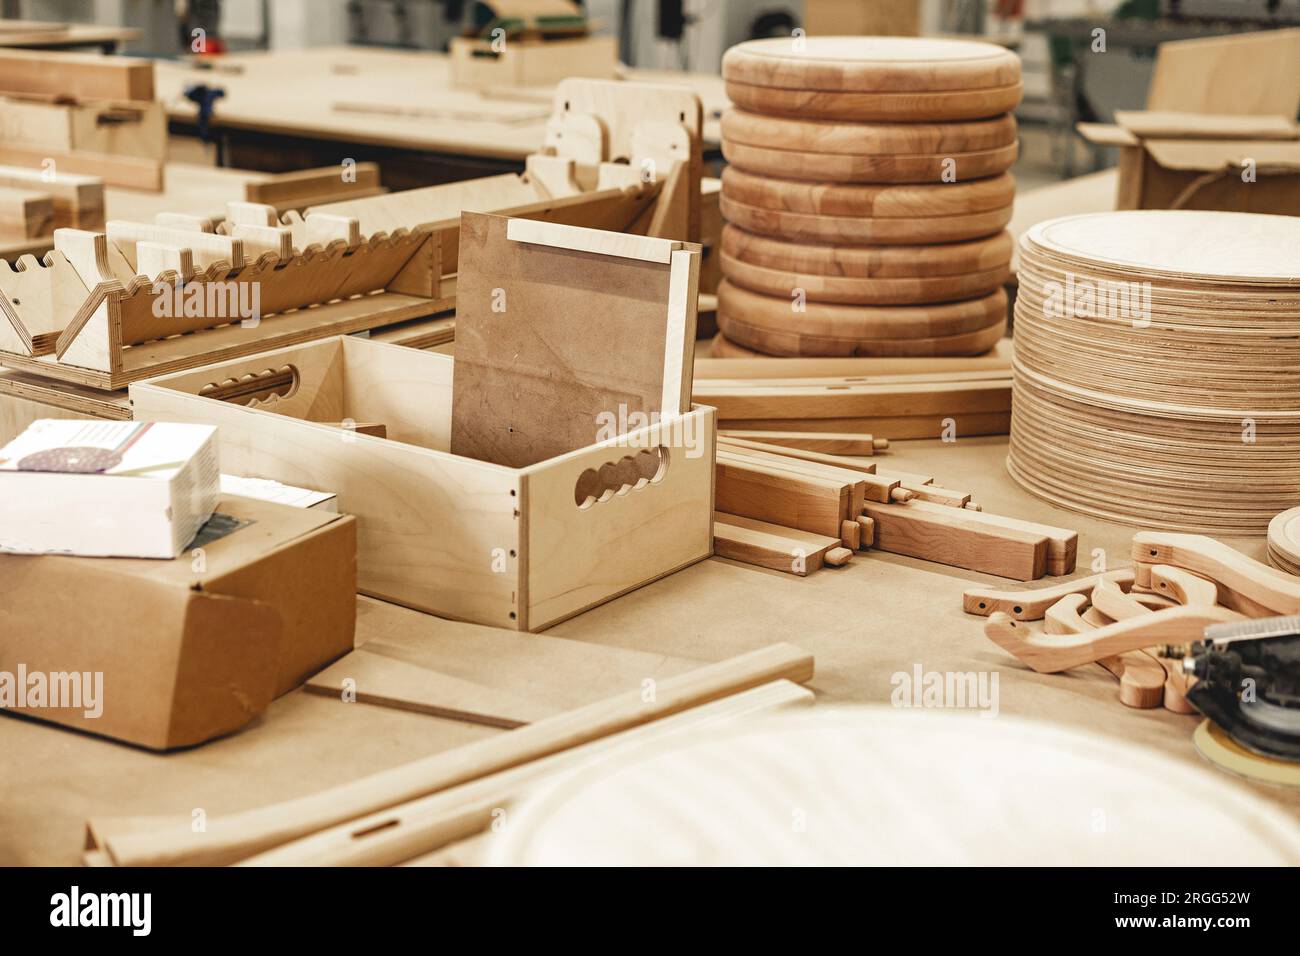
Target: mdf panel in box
[514,548]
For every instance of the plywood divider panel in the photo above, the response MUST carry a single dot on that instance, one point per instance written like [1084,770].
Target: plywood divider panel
[647,518]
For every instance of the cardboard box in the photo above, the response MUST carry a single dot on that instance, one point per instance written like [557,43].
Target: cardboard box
[519,548]
[107,489]
[1202,161]
[190,649]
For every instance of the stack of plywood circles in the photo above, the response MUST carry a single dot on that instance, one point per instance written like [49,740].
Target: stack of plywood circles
[1284,541]
[866,194]
[1157,367]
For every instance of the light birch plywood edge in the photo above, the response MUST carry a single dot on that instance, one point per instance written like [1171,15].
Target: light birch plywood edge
[580,555]
[598,241]
[430,524]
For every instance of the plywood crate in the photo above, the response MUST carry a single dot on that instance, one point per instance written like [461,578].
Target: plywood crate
[519,548]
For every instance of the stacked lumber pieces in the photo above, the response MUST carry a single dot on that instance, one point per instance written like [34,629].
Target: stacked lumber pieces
[938,405]
[34,203]
[1284,541]
[414,809]
[1136,621]
[79,113]
[1157,368]
[867,196]
[770,497]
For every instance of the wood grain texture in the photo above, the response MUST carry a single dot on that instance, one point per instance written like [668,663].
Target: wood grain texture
[549,341]
[950,536]
[853,291]
[880,64]
[858,168]
[882,202]
[867,262]
[867,139]
[769,324]
[856,230]
[876,107]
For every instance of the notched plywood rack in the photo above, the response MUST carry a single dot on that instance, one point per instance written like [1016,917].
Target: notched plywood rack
[109,308]
[619,156]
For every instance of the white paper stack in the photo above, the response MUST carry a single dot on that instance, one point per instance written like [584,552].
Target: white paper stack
[267,489]
[107,489]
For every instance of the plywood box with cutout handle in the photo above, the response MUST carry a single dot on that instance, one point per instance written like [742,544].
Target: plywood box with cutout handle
[519,548]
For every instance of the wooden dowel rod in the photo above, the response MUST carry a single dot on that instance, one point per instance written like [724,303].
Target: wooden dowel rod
[240,835]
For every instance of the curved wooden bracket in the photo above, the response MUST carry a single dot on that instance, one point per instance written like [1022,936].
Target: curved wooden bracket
[1051,654]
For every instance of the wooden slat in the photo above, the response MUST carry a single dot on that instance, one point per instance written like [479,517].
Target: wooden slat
[950,536]
[768,545]
[79,75]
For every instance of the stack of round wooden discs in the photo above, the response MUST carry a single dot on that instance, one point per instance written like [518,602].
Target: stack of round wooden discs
[867,196]
[1157,369]
[1284,541]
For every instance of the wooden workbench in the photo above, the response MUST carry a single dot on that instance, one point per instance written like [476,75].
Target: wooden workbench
[305,108]
[880,615]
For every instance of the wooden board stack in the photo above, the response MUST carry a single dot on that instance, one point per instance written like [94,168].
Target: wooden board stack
[1157,368]
[892,407]
[1284,541]
[792,508]
[866,196]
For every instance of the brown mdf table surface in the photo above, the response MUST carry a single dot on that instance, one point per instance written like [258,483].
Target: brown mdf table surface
[385,98]
[880,615]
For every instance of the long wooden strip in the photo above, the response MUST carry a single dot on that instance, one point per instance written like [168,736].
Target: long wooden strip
[767,546]
[857,401]
[1063,544]
[81,75]
[132,172]
[856,481]
[1033,605]
[831,443]
[872,486]
[850,462]
[1050,654]
[387,681]
[1258,582]
[240,835]
[899,427]
[950,536]
[781,497]
[419,826]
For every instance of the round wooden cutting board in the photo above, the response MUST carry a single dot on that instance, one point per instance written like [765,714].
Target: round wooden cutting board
[854,230]
[855,291]
[881,786]
[866,262]
[1284,541]
[770,324]
[877,64]
[867,139]
[876,107]
[881,202]
[937,168]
